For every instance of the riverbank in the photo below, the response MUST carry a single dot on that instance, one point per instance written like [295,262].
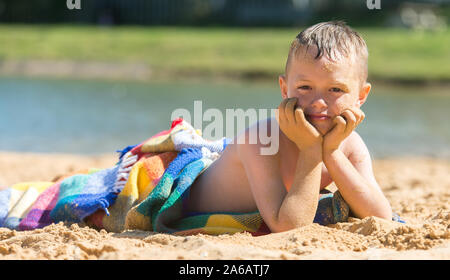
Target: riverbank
[418,189]
[397,56]
[140,72]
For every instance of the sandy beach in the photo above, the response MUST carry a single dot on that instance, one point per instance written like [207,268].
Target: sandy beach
[418,189]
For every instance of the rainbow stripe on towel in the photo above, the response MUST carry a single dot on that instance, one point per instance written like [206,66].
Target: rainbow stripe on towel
[16,200]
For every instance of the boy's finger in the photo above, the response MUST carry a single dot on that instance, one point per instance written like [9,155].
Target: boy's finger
[349,116]
[300,116]
[283,103]
[340,122]
[351,121]
[301,120]
[281,115]
[359,114]
[289,109]
[363,116]
[339,125]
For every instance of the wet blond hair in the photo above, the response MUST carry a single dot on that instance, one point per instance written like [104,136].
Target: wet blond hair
[335,40]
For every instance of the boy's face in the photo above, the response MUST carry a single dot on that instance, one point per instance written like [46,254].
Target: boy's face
[324,88]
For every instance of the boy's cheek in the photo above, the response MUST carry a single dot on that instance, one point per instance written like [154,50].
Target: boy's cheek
[347,101]
[340,106]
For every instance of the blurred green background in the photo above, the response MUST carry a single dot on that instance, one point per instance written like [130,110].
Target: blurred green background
[67,75]
[408,40]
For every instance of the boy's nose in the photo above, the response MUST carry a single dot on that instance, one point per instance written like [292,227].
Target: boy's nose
[319,104]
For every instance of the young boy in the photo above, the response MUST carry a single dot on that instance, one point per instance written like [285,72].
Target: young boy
[323,88]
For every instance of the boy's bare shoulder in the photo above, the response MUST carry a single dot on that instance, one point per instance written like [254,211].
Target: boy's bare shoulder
[252,143]
[259,135]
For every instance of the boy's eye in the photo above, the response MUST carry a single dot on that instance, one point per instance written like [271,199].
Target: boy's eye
[304,87]
[335,89]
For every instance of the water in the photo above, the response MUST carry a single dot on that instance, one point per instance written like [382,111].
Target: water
[91,117]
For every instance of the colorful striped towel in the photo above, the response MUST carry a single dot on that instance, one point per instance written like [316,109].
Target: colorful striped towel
[157,185]
[146,190]
[16,200]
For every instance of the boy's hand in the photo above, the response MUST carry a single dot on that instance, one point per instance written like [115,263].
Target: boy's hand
[344,125]
[294,125]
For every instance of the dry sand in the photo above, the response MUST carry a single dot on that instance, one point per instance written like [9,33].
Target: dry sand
[418,189]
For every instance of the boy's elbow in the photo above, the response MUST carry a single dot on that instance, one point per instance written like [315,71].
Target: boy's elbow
[290,217]
[289,224]
[286,227]
[384,212]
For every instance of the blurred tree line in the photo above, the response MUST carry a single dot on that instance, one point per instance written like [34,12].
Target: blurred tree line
[218,12]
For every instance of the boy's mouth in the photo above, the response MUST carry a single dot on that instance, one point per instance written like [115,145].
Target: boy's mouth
[318,117]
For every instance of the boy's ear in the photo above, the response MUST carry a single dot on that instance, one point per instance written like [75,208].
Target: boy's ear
[283,86]
[363,94]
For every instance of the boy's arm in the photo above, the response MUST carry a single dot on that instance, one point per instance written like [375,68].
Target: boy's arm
[354,176]
[280,210]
